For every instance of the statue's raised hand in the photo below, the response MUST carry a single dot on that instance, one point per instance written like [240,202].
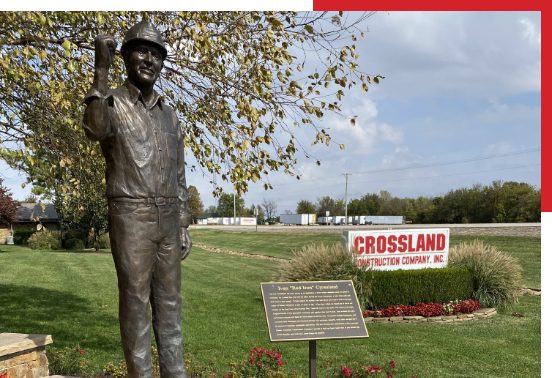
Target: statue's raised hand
[105,46]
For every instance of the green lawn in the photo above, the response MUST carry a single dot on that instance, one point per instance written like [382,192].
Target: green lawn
[268,244]
[73,296]
[525,249]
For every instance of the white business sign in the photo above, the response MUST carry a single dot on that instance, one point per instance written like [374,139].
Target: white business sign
[399,249]
[247,221]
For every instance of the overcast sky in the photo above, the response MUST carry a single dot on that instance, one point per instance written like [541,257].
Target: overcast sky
[460,101]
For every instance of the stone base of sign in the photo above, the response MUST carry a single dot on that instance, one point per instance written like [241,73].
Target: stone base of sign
[24,356]
[479,314]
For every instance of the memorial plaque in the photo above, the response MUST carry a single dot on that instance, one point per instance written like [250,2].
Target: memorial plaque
[312,310]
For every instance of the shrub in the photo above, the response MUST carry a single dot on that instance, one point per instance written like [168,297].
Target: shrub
[103,241]
[326,262]
[359,370]
[67,361]
[21,237]
[45,240]
[262,363]
[497,276]
[408,287]
[120,370]
[74,244]
[115,370]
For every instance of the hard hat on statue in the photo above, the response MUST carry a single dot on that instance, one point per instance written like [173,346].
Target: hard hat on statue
[144,31]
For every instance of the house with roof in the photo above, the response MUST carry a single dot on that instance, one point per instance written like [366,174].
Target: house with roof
[31,217]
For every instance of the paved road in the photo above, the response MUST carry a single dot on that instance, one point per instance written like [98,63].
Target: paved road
[502,229]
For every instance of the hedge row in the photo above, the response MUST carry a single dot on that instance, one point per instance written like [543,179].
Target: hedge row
[409,287]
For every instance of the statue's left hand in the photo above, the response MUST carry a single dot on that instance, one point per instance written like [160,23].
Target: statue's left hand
[186,243]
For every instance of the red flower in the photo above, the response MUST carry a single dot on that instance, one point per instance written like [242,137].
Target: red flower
[389,374]
[392,364]
[466,307]
[82,352]
[372,369]
[346,371]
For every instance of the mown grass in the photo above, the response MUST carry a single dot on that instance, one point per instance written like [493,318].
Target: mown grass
[282,244]
[278,244]
[73,296]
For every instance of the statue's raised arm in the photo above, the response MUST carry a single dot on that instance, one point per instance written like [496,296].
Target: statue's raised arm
[96,119]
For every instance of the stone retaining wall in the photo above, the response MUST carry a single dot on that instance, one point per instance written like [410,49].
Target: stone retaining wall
[24,356]
[479,314]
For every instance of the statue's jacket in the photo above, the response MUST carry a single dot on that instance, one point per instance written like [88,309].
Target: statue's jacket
[143,148]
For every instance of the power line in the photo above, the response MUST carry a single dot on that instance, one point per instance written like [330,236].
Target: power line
[481,158]
[450,162]
[456,174]
[441,176]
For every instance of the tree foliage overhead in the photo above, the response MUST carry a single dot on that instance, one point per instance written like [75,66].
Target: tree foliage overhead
[241,83]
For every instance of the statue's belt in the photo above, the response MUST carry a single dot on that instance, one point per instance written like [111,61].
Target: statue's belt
[158,201]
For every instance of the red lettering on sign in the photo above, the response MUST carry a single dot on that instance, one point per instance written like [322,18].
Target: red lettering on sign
[392,244]
[359,245]
[410,245]
[441,242]
[382,244]
[420,244]
[402,243]
[369,242]
[430,242]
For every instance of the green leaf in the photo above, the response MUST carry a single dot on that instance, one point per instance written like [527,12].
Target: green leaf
[66,45]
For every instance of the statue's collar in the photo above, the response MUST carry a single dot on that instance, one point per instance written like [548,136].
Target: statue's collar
[136,95]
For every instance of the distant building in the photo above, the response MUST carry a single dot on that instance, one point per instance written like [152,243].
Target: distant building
[30,215]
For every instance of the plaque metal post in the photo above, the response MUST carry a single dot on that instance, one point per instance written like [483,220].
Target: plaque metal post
[312,358]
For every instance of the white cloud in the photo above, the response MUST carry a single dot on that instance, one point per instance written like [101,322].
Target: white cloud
[499,112]
[531,32]
[367,133]
[471,54]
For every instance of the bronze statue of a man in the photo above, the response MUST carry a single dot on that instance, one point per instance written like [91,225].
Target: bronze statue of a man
[146,189]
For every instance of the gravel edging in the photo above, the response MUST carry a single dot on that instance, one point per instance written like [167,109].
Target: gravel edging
[226,251]
[478,314]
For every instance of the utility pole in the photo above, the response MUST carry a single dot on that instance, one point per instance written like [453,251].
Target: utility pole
[346,185]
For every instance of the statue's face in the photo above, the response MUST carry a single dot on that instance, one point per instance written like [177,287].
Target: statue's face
[144,62]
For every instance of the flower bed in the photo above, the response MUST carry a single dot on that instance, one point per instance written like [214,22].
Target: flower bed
[426,310]
[265,363]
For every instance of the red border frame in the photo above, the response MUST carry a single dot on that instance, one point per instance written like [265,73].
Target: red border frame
[474,5]
[417,5]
